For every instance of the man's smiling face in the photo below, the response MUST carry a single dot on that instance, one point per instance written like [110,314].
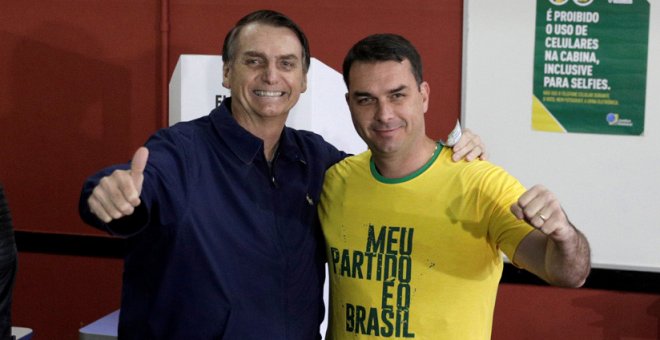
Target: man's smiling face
[267,75]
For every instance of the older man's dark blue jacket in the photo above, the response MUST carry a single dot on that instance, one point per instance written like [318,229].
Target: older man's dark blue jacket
[223,245]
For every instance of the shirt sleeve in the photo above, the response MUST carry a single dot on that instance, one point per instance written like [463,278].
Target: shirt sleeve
[504,228]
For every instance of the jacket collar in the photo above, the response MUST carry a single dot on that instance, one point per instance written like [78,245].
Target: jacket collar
[246,146]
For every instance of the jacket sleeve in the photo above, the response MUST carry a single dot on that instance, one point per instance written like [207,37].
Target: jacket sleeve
[163,191]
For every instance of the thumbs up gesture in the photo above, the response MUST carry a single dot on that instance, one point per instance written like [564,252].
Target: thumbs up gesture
[118,194]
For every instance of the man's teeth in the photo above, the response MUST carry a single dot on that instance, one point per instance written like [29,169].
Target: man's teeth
[269,93]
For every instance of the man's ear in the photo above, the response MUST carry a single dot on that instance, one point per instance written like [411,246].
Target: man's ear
[226,76]
[304,84]
[425,89]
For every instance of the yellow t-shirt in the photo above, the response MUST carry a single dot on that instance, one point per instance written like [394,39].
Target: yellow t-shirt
[417,257]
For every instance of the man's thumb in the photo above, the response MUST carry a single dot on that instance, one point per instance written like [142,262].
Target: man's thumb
[138,164]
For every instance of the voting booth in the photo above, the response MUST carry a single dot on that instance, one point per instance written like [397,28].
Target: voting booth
[196,89]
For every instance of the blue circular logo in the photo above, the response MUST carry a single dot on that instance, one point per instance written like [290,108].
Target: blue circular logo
[612,117]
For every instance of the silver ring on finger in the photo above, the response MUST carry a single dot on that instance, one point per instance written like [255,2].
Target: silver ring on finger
[542,217]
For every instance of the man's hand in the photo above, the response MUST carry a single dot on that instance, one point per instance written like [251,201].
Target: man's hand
[118,194]
[542,210]
[469,147]
[559,253]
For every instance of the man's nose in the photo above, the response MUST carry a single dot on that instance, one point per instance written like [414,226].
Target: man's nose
[384,111]
[270,73]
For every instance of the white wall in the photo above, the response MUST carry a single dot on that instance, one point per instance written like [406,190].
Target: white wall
[609,185]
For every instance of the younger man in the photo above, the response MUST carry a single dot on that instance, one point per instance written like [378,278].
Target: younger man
[413,239]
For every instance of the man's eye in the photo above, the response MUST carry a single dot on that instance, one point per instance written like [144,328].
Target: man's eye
[364,101]
[287,64]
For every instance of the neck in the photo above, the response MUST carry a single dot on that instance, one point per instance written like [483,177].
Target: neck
[271,140]
[268,129]
[399,166]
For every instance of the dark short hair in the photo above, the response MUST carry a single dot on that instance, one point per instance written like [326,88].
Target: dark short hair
[383,47]
[266,17]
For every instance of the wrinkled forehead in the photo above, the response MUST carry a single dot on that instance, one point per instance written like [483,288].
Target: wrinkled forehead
[269,40]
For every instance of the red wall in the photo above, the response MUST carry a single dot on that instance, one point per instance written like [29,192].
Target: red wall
[78,89]
[56,295]
[541,312]
[81,86]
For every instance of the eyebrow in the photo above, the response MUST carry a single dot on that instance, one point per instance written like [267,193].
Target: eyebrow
[288,56]
[262,55]
[254,54]
[367,94]
[398,89]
